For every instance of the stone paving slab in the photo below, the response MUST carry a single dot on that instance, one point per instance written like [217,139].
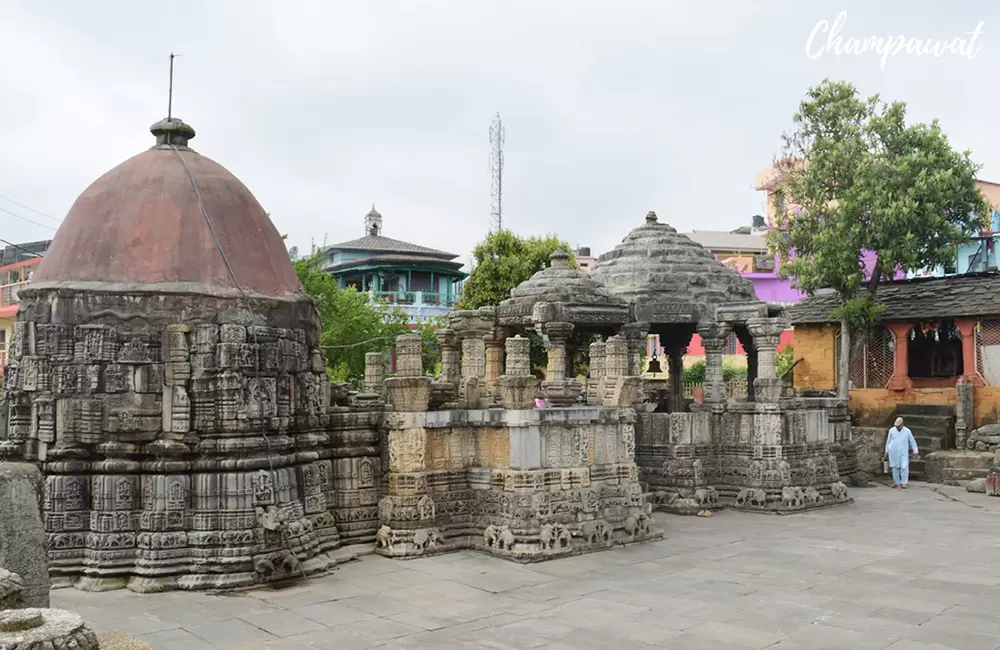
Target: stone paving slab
[916,569]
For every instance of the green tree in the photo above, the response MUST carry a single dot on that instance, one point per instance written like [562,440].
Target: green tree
[352,323]
[857,180]
[430,350]
[501,262]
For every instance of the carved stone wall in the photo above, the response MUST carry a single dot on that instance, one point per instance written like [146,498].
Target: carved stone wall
[772,457]
[193,454]
[527,485]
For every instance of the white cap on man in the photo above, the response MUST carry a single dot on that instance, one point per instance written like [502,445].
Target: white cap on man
[898,422]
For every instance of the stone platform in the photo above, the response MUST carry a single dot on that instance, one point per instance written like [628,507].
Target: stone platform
[824,581]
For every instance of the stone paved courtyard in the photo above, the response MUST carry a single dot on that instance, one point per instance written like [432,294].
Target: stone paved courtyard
[918,569]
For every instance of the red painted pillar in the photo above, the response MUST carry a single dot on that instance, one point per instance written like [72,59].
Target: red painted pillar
[901,366]
[967,326]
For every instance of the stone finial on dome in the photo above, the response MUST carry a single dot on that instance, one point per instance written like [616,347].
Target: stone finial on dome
[559,259]
[650,217]
[173,131]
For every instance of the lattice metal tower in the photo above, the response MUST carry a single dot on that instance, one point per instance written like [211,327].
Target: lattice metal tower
[496,173]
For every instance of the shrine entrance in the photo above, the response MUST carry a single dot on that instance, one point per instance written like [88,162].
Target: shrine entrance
[935,351]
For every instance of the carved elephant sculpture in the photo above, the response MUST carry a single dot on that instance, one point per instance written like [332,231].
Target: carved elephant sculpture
[426,539]
[506,538]
[490,536]
[546,537]
[792,497]
[839,491]
[813,496]
[594,532]
[706,496]
[383,538]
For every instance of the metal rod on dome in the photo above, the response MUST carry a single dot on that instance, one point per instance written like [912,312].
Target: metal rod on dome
[170,93]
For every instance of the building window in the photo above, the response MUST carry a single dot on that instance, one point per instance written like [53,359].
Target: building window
[3,340]
[871,358]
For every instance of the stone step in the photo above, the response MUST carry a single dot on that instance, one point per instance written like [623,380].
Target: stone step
[927,444]
[905,410]
[929,423]
[956,474]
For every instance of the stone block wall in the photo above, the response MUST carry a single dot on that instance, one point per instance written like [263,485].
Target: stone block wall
[522,484]
[817,345]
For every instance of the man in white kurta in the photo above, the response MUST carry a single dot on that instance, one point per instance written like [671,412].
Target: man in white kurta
[897,449]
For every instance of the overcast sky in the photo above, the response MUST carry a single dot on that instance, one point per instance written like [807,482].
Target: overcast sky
[612,108]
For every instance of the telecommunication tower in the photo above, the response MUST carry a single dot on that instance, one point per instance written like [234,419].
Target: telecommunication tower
[496,173]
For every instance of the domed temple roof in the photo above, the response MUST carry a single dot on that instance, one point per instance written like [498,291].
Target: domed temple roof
[562,292]
[141,226]
[667,278]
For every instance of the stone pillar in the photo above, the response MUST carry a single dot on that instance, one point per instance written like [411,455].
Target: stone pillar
[409,390]
[964,413]
[473,356]
[374,372]
[635,335]
[617,387]
[470,387]
[766,335]
[967,327]
[450,356]
[517,386]
[518,357]
[616,358]
[558,334]
[409,360]
[494,360]
[901,364]
[597,361]
[713,337]
[559,389]
[675,361]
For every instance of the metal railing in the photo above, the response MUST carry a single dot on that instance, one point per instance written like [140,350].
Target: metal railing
[8,293]
[415,298]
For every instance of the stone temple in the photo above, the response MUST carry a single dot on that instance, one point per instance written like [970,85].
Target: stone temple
[166,377]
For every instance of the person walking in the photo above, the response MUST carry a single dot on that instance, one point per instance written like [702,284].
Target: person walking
[897,449]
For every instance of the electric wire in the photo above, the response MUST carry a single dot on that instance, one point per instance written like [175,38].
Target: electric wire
[253,330]
[23,218]
[29,208]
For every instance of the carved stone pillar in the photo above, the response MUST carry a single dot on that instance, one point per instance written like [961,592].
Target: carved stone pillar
[635,337]
[964,414]
[675,362]
[557,388]
[766,335]
[450,356]
[473,370]
[713,337]
[517,386]
[410,390]
[494,360]
[374,372]
[617,387]
[598,351]
[901,363]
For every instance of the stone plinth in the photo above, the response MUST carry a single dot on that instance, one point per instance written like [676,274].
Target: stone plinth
[45,629]
[22,536]
[522,484]
[408,393]
[760,457]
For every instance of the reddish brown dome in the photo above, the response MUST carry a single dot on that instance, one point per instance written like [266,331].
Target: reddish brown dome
[141,224]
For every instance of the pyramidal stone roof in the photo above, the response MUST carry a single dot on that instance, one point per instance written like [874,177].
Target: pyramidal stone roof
[668,278]
[562,292]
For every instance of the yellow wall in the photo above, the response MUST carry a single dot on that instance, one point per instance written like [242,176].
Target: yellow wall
[817,346]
